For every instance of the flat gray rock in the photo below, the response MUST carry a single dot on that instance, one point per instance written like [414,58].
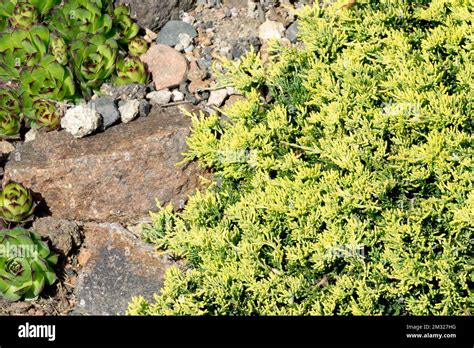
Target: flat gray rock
[169,34]
[117,266]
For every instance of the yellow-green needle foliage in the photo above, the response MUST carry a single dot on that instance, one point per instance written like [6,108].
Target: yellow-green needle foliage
[350,191]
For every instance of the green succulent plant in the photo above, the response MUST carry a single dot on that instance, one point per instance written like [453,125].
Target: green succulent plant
[94,60]
[26,265]
[137,46]
[48,80]
[126,28]
[44,114]
[10,124]
[44,6]
[9,100]
[56,50]
[130,70]
[23,48]
[3,23]
[24,15]
[6,9]
[16,203]
[81,16]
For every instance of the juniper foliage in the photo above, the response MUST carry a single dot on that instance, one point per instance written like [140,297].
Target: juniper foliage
[351,191]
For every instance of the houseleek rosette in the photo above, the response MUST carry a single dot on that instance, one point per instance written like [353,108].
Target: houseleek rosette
[126,28]
[22,48]
[130,70]
[44,114]
[16,203]
[10,124]
[24,15]
[94,60]
[26,265]
[48,80]
[81,16]
[137,46]
[9,100]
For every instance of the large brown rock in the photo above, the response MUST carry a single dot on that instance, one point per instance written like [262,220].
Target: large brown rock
[154,14]
[114,176]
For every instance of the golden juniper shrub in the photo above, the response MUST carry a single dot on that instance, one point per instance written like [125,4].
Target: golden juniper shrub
[350,191]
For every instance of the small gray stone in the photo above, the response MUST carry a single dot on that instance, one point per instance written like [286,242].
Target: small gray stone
[145,108]
[106,107]
[189,49]
[185,40]
[159,97]
[205,95]
[191,98]
[241,46]
[177,96]
[203,64]
[31,135]
[169,34]
[271,30]
[183,87]
[234,12]
[129,110]
[179,47]
[292,32]
[186,18]
[217,98]
[81,121]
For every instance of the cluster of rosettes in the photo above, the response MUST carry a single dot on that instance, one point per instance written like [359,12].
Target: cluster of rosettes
[26,262]
[54,51]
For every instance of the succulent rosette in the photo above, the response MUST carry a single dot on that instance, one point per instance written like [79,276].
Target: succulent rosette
[44,114]
[94,60]
[16,203]
[24,15]
[130,70]
[137,46]
[10,124]
[48,80]
[126,28]
[26,265]
[23,48]
[9,100]
[81,16]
